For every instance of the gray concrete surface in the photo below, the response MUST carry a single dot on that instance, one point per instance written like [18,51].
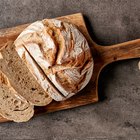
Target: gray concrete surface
[115,117]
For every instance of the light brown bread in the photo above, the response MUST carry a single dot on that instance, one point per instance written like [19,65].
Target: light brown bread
[12,105]
[39,75]
[61,51]
[20,77]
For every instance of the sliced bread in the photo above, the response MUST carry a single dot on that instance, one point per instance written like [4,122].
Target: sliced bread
[39,74]
[20,77]
[12,105]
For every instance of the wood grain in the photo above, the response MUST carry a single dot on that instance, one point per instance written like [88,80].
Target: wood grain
[102,56]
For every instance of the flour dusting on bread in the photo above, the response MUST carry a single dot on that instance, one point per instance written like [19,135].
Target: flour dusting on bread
[61,51]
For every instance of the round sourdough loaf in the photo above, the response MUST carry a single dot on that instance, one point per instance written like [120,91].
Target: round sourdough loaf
[58,55]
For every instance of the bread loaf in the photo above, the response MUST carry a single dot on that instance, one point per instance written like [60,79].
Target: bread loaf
[20,77]
[12,105]
[62,53]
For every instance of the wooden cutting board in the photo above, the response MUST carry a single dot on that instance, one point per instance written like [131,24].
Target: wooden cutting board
[102,56]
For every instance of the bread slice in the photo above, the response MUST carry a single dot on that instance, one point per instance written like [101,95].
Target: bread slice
[61,51]
[39,74]
[12,105]
[20,77]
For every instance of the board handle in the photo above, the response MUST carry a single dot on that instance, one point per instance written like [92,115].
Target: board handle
[122,51]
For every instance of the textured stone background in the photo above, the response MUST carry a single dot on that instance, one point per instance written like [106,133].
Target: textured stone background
[116,117]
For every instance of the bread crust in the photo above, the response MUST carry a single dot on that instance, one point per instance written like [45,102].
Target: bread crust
[61,51]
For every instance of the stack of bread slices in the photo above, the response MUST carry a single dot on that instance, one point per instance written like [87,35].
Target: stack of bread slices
[49,60]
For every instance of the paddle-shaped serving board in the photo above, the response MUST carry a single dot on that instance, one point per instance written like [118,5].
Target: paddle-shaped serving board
[102,56]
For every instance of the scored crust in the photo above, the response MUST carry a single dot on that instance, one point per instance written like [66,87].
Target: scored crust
[61,51]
